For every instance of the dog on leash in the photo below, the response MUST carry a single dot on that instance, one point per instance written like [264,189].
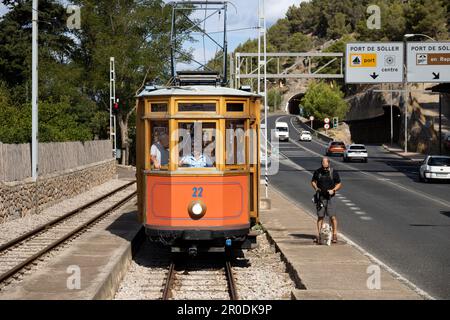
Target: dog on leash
[325,234]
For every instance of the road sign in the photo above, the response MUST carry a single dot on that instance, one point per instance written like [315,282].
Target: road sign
[311,118]
[377,62]
[327,126]
[327,120]
[428,61]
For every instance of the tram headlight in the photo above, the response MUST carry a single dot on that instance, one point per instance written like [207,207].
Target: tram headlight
[197,209]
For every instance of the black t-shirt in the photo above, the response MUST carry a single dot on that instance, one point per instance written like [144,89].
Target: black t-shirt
[323,179]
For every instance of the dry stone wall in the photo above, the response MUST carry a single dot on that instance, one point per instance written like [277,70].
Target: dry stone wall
[20,198]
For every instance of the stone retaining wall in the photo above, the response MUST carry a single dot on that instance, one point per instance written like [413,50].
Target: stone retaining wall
[18,199]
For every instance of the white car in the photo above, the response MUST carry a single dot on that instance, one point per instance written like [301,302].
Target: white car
[282,131]
[356,152]
[435,168]
[305,136]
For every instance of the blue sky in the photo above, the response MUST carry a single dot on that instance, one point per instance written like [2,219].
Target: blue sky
[244,16]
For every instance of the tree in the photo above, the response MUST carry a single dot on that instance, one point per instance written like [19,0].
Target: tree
[60,79]
[324,100]
[136,34]
[15,39]
[56,123]
[391,29]
[274,98]
[429,17]
[338,26]
[298,42]
[278,35]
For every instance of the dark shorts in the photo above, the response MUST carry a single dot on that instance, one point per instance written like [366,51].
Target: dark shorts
[327,208]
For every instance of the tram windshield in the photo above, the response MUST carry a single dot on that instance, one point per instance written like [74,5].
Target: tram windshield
[197,144]
[235,142]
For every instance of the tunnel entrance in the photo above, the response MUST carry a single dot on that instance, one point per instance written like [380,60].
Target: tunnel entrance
[294,106]
[376,130]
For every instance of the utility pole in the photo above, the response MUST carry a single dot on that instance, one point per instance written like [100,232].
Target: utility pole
[225,47]
[263,61]
[34,94]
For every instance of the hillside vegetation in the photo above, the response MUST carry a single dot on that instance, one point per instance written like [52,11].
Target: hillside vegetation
[309,25]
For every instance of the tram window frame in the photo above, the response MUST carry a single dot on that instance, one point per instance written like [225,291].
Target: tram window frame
[231,114]
[177,150]
[153,124]
[204,102]
[232,104]
[163,102]
[235,165]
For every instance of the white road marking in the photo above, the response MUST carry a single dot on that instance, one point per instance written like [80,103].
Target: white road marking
[346,201]
[370,256]
[359,212]
[293,125]
[418,194]
[366,218]
[355,208]
[347,239]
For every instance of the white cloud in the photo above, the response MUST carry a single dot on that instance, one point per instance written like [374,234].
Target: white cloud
[276,9]
[3,9]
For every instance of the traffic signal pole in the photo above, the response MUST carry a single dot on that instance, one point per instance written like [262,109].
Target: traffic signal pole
[112,101]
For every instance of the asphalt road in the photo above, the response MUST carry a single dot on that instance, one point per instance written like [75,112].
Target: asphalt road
[382,207]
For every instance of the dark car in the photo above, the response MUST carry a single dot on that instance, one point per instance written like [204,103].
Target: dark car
[335,148]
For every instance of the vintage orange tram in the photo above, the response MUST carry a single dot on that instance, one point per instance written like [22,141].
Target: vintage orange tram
[198,165]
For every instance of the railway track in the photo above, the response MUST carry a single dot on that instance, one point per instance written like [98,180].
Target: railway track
[200,279]
[19,254]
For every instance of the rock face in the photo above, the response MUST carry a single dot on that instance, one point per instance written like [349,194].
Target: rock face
[369,104]
[18,199]
[342,133]
[369,115]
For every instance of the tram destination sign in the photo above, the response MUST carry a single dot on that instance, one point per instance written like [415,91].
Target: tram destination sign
[374,62]
[428,61]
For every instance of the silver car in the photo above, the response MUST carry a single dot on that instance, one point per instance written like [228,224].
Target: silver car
[435,168]
[356,152]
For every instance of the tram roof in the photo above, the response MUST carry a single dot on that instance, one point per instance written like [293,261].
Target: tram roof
[196,91]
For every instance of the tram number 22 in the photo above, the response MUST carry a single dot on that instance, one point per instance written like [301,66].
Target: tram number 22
[197,192]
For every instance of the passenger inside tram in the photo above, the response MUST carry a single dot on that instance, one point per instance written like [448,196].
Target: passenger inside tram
[196,160]
[159,151]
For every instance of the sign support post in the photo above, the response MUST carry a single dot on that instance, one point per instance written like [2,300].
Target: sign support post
[440,124]
[392,116]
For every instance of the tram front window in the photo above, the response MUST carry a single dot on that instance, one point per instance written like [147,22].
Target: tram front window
[197,144]
[235,142]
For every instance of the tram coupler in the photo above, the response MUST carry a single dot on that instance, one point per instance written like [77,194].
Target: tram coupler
[193,251]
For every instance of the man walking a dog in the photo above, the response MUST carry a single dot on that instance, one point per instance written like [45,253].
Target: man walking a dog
[326,182]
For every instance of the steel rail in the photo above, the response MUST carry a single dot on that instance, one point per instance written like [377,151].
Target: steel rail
[169,281]
[63,239]
[50,224]
[232,290]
